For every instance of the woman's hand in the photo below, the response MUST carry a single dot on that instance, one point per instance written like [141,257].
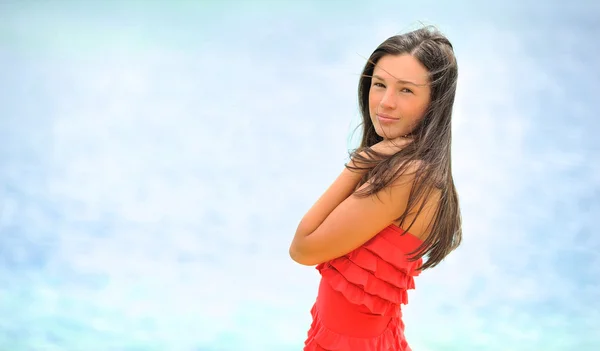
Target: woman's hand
[389,147]
[363,161]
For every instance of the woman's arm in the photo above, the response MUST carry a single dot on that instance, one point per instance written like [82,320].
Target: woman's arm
[340,222]
[344,185]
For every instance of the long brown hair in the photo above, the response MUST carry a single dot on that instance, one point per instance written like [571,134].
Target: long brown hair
[431,142]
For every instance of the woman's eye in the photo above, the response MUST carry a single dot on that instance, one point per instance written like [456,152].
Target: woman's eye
[379,85]
[406,90]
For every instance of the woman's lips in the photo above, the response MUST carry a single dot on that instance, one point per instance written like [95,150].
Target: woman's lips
[386,119]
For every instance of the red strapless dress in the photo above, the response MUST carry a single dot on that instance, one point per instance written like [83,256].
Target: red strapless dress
[360,294]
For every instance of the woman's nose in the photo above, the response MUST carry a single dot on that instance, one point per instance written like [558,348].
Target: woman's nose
[388,100]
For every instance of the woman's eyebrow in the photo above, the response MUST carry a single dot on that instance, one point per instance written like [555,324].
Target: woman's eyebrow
[402,81]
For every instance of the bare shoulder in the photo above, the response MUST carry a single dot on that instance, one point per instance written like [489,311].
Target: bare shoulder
[420,203]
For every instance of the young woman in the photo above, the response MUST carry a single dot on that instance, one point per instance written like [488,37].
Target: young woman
[394,202]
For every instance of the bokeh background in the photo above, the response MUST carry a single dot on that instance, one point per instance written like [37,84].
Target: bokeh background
[157,156]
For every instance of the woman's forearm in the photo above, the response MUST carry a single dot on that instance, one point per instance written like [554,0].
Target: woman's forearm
[344,185]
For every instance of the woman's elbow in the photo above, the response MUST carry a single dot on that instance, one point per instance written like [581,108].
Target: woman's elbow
[300,257]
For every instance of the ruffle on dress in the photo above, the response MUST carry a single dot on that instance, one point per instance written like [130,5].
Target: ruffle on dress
[376,277]
[320,338]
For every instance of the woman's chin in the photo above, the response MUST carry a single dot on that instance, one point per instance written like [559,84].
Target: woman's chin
[387,134]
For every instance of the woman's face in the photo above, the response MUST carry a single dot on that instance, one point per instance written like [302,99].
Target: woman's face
[399,95]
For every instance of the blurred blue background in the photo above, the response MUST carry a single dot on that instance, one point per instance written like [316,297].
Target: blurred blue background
[157,156]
